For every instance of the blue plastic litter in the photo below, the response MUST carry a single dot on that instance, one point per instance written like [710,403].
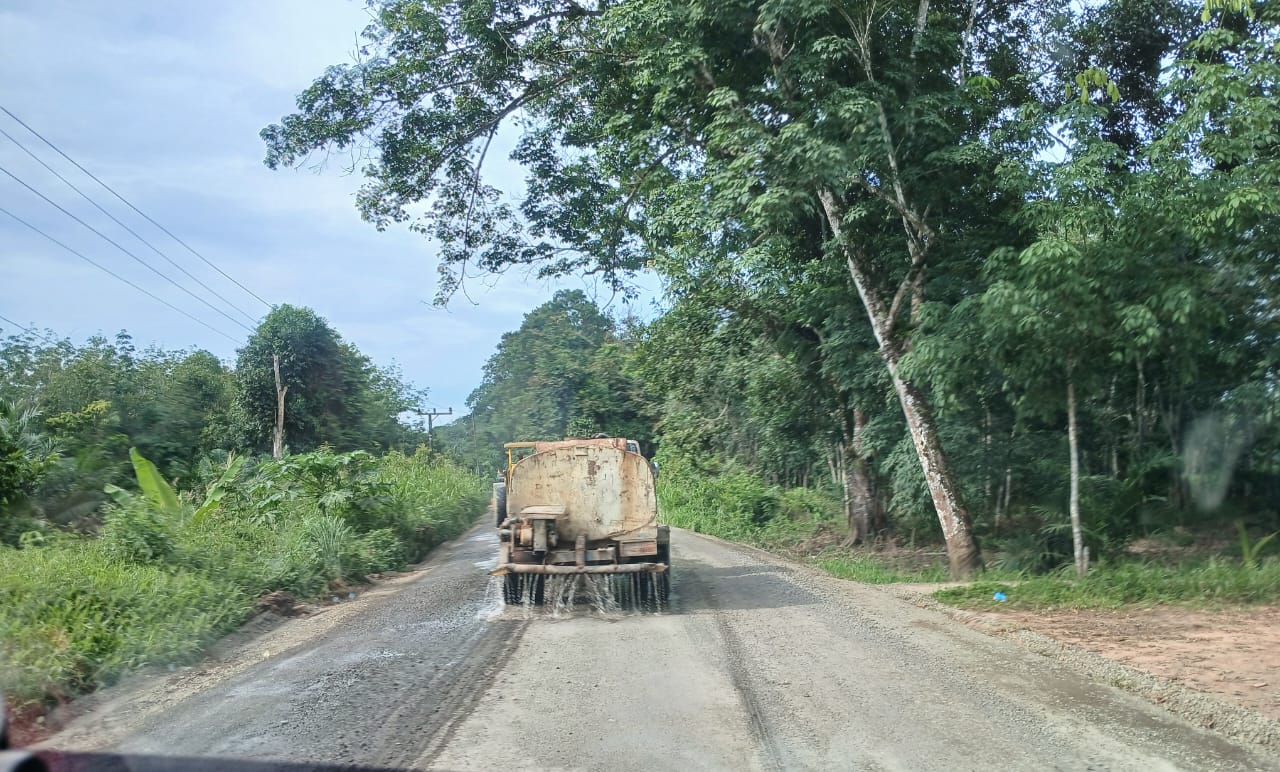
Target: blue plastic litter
[999,596]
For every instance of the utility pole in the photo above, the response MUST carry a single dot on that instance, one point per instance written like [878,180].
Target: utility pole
[431,416]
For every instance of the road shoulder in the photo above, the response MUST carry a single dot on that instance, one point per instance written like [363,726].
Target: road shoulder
[1202,709]
[100,719]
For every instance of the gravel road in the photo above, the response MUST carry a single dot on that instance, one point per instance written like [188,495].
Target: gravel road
[757,665]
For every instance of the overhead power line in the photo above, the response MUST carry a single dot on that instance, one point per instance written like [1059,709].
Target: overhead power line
[117,221]
[103,268]
[29,331]
[129,204]
[115,244]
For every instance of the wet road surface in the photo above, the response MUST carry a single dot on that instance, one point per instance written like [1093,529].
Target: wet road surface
[757,664]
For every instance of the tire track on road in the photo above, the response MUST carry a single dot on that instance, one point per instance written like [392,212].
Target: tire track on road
[735,657]
[496,642]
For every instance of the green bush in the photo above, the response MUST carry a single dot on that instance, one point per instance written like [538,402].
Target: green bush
[333,543]
[136,533]
[380,550]
[435,500]
[164,578]
[734,504]
[811,504]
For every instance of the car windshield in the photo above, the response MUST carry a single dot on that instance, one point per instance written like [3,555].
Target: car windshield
[655,384]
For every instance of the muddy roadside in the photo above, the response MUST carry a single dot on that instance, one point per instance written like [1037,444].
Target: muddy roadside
[1233,654]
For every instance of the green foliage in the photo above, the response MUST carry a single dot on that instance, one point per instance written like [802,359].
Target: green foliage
[1090,79]
[734,504]
[335,396]
[433,498]
[1208,582]
[332,541]
[160,495]
[341,484]
[18,476]
[26,454]
[1059,193]
[218,489]
[809,504]
[161,502]
[135,532]
[1249,550]
[380,550]
[73,616]
[568,371]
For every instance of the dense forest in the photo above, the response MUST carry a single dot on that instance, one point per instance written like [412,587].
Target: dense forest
[1006,265]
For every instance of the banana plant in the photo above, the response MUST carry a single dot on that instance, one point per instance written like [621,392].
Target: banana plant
[213,496]
[161,496]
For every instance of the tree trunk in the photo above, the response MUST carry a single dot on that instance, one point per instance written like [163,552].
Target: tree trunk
[277,438]
[859,504]
[957,530]
[1077,535]
[986,460]
[1002,499]
[877,521]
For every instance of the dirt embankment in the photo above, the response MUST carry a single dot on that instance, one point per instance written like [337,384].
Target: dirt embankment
[1232,654]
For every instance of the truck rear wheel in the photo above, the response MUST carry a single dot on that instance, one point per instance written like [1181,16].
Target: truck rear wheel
[662,581]
[500,501]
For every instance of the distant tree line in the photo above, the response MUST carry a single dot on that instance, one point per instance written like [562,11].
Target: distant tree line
[568,371]
[70,412]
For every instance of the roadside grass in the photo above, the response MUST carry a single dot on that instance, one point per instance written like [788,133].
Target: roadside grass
[871,569]
[739,506]
[1208,582]
[72,617]
[156,587]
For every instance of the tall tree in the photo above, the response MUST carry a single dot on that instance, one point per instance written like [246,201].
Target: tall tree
[325,377]
[553,376]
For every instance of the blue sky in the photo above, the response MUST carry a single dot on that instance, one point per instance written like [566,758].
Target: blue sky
[164,101]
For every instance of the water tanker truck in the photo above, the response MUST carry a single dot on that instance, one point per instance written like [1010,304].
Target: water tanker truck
[580,507]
